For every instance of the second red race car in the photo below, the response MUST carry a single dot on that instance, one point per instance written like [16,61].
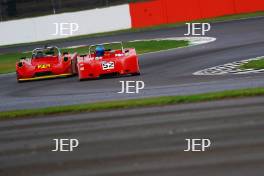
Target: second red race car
[108,59]
[47,62]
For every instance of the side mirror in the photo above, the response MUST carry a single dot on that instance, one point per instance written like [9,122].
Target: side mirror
[65,59]
[20,64]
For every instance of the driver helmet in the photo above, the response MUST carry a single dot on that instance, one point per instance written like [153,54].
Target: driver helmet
[99,51]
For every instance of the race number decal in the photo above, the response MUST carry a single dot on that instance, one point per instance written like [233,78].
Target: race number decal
[108,65]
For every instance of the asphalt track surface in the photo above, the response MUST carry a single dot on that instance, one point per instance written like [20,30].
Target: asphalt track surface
[164,73]
[140,142]
[144,141]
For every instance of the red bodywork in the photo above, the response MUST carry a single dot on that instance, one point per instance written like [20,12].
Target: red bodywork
[46,67]
[115,62]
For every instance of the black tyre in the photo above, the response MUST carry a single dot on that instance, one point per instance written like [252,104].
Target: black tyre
[135,74]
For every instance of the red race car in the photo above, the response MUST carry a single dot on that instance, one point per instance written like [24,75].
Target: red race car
[47,62]
[108,59]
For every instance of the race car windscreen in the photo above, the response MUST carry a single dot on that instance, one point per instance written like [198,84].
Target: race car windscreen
[45,52]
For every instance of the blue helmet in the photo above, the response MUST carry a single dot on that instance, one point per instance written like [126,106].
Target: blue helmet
[99,51]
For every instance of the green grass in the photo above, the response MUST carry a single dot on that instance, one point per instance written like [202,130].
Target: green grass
[7,61]
[136,103]
[254,64]
[141,46]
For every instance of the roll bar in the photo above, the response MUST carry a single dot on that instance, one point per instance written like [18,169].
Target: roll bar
[121,43]
[45,48]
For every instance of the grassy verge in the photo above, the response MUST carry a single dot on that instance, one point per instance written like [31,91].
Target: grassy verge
[137,103]
[254,64]
[7,61]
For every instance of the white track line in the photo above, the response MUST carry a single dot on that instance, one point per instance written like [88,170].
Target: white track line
[230,68]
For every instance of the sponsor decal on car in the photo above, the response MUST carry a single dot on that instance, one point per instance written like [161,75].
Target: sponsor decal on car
[43,66]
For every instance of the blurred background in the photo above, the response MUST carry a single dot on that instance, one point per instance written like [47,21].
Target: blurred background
[15,9]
